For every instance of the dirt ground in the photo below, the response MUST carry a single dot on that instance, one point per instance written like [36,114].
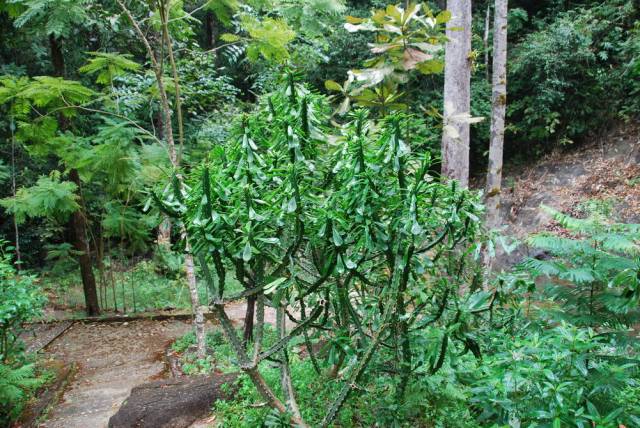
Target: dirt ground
[606,170]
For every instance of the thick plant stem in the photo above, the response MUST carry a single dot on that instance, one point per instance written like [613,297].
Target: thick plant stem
[285,370]
[250,368]
[259,328]
[248,319]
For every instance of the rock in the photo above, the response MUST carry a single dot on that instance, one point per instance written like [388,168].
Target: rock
[172,403]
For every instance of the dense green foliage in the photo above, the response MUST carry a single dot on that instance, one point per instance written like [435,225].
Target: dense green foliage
[576,72]
[352,226]
[20,302]
[595,271]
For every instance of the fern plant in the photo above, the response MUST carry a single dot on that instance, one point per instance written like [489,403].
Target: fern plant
[16,384]
[594,270]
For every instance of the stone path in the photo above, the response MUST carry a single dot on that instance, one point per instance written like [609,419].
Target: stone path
[111,358]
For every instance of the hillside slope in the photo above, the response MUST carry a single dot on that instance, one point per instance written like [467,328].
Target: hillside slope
[603,173]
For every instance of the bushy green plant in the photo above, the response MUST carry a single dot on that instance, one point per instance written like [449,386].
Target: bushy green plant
[574,72]
[16,386]
[20,301]
[558,376]
[350,230]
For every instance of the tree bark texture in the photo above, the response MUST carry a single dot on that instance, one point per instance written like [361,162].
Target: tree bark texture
[457,92]
[78,227]
[198,313]
[485,41]
[499,103]
[164,232]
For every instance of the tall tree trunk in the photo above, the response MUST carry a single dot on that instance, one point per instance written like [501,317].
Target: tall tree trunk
[81,244]
[16,230]
[498,103]
[485,41]
[78,222]
[457,93]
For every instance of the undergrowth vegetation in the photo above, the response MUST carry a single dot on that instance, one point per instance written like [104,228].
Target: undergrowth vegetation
[20,302]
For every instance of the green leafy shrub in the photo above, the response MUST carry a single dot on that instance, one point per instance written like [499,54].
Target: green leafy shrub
[49,197]
[20,301]
[349,229]
[575,72]
[559,376]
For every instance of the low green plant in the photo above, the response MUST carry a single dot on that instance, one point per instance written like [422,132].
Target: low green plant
[20,301]
[17,385]
[559,376]
[594,271]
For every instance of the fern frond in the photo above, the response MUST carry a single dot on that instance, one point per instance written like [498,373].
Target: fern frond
[578,275]
[557,245]
[109,66]
[542,267]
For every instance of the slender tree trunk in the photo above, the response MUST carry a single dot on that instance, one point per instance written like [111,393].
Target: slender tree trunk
[164,228]
[80,243]
[16,230]
[198,313]
[457,93]
[57,58]
[173,155]
[78,222]
[209,28]
[485,41]
[499,103]
[164,232]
